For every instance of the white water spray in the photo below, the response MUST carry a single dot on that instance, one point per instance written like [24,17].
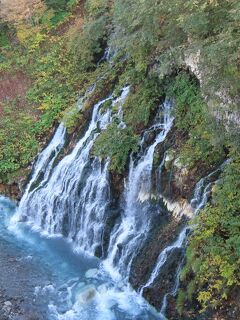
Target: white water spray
[127,237]
[73,199]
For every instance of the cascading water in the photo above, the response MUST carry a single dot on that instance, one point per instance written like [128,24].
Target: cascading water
[73,199]
[56,207]
[201,195]
[130,233]
[119,103]
[44,164]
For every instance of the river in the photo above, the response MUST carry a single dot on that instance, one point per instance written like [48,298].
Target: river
[42,278]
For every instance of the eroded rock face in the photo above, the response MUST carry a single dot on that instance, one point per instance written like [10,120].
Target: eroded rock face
[220,103]
[179,209]
[12,191]
[173,188]
[145,260]
[165,233]
[165,281]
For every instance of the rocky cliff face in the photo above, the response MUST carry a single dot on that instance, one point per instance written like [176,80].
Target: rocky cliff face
[220,103]
[12,190]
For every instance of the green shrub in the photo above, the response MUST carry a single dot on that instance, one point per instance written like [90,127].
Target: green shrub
[215,243]
[87,42]
[181,297]
[18,143]
[57,5]
[192,116]
[142,100]
[116,144]
[71,116]
[4,38]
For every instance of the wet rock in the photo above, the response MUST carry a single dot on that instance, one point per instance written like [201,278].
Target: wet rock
[149,138]
[163,234]
[11,190]
[113,215]
[164,283]
[169,157]
[86,294]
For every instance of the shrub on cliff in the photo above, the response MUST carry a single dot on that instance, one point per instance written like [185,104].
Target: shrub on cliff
[18,143]
[192,116]
[88,39]
[116,144]
[213,258]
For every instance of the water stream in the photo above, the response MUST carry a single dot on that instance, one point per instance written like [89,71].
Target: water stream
[59,283]
[128,236]
[71,198]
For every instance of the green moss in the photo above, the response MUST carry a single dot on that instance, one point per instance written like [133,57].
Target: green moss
[181,297]
[144,97]
[116,144]
[71,117]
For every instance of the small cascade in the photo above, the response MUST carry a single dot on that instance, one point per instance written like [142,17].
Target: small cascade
[163,257]
[118,102]
[107,55]
[201,195]
[73,199]
[128,236]
[44,164]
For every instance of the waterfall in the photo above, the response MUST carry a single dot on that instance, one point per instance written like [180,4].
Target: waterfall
[73,196]
[118,101]
[44,164]
[201,195]
[128,236]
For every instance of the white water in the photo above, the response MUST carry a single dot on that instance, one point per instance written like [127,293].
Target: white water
[130,233]
[56,276]
[119,104]
[75,198]
[72,200]
[45,161]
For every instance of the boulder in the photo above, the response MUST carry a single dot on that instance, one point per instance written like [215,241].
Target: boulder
[86,294]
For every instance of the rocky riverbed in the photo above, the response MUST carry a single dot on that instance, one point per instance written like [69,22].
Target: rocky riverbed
[19,276]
